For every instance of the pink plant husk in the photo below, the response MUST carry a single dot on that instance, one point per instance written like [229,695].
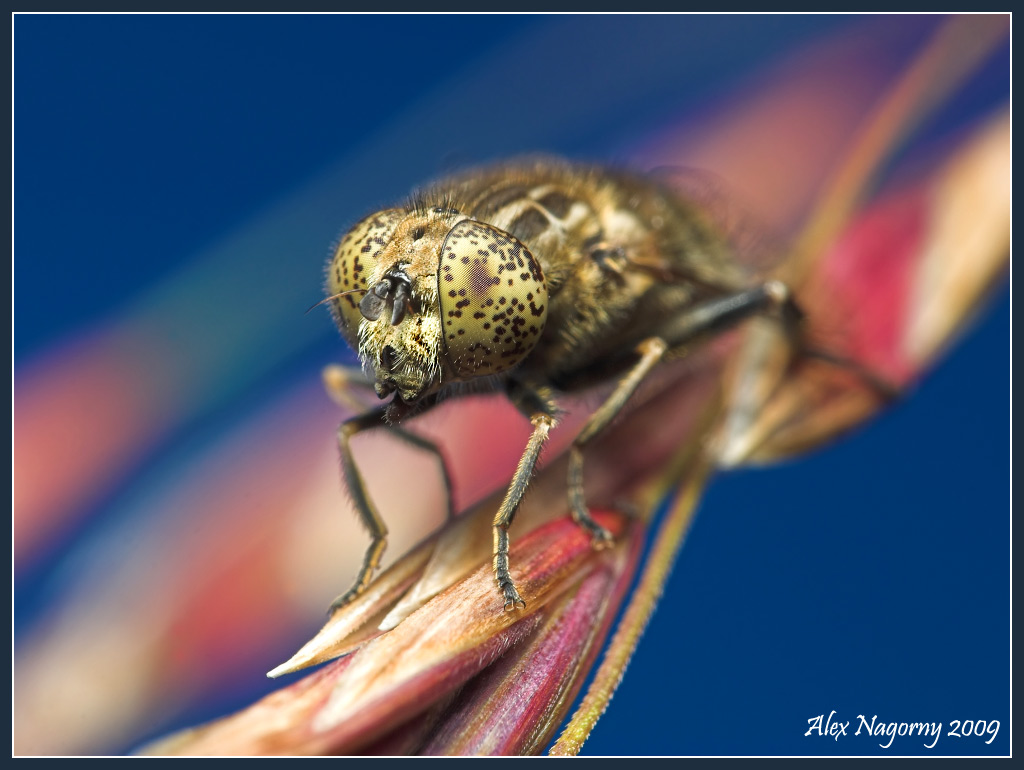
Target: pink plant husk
[385,695]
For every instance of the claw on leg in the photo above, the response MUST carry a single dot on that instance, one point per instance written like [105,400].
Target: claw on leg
[501,573]
[600,537]
[343,599]
[513,600]
[371,561]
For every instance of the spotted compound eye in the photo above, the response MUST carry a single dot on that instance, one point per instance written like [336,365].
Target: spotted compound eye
[352,264]
[493,299]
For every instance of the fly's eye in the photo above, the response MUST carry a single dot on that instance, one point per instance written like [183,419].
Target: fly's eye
[493,299]
[352,264]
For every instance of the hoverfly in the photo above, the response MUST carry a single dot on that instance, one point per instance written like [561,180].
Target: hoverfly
[537,278]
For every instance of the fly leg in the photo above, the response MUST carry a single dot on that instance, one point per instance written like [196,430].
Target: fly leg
[699,321]
[542,416]
[651,351]
[364,506]
[720,314]
[341,384]
[775,296]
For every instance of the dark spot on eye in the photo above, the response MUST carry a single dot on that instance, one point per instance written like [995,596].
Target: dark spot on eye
[480,279]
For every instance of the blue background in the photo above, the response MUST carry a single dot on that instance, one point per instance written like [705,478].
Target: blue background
[872,577]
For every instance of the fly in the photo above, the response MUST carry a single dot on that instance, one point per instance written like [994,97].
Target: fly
[537,278]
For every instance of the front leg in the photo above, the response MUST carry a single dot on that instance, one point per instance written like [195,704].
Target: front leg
[541,412]
[364,506]
[343,383]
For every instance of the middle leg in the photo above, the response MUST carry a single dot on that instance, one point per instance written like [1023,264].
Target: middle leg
[698,322]
[542,415]
[651,351]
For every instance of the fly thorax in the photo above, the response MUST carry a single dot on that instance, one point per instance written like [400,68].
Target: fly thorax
[553,221]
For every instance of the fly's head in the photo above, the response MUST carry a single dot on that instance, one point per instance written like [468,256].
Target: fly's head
[434,297]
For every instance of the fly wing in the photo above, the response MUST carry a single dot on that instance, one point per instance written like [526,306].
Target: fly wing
[754,245]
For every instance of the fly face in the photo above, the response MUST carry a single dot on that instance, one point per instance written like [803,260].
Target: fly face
[445,298]
[389,261]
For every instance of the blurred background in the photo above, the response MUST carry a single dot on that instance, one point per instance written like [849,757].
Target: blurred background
[178,523]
